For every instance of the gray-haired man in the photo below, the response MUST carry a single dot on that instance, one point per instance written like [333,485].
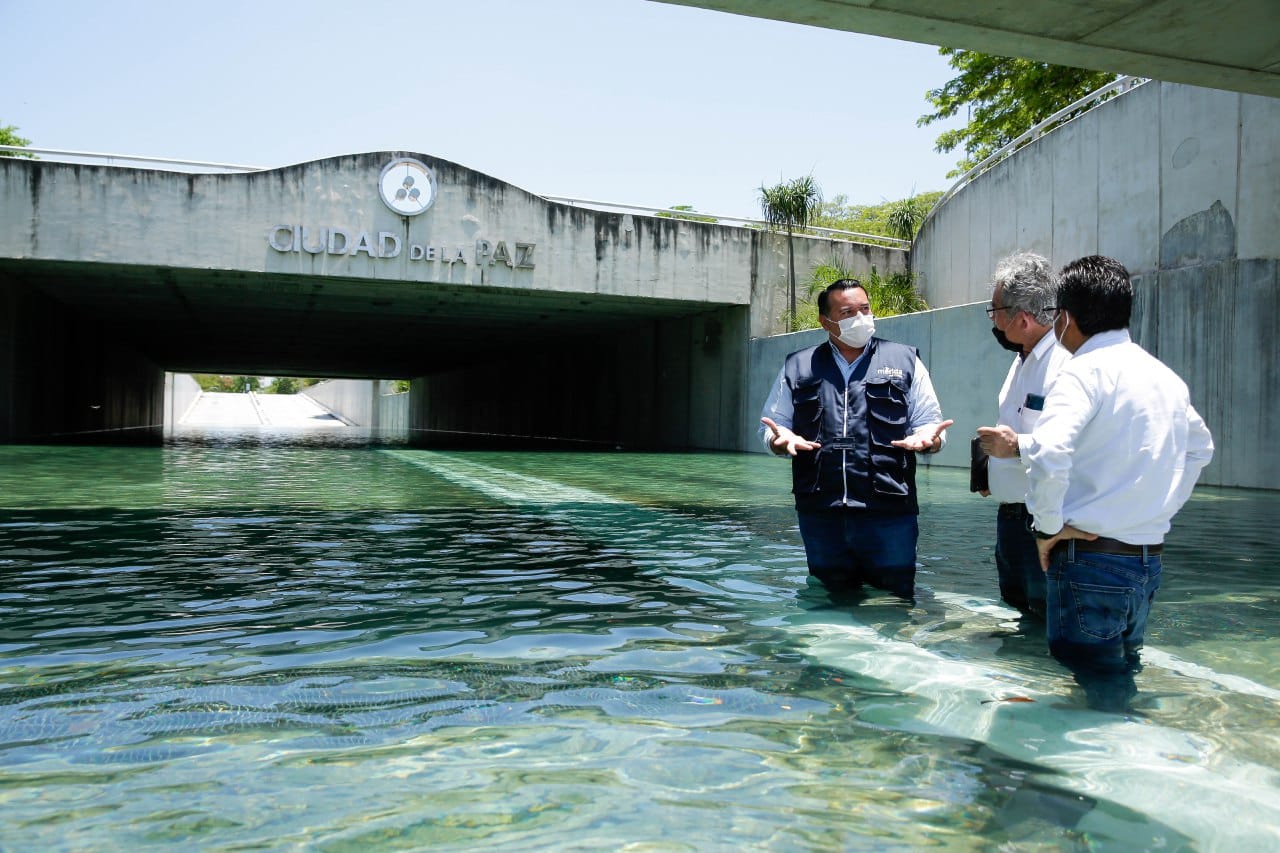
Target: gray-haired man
[1023,294]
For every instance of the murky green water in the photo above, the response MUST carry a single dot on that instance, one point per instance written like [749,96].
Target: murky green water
[234,643]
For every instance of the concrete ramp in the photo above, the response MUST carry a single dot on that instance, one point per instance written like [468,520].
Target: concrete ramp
[249,410]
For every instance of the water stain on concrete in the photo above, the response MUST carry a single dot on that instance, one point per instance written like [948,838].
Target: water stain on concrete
[1203,237]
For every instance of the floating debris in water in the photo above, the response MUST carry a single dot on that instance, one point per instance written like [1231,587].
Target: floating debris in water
[1008,699]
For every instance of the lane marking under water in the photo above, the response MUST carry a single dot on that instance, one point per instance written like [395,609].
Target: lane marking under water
[522,489]
[1102,755]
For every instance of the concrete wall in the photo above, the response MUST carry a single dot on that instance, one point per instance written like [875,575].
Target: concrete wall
[181,391]
[393,410]
[137,217]
[1180,184]
[56,211]
[770,292]
[225,263]
[350,399]
[363,402]
[64,378]
[965,363]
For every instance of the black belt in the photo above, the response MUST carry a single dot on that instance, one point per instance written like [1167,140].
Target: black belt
[1103,545]
[1012,510]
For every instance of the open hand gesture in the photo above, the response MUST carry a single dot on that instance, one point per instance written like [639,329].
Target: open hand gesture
[928,439]
[785,441]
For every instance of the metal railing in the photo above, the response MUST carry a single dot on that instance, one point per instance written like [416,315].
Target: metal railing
[126,159]
[1117,86]
[717,219]
[63,156]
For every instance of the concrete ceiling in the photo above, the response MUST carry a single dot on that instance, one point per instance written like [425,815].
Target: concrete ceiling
[217,321]
[1219,44]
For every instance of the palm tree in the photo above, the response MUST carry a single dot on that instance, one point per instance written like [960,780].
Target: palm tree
[906,215]
[791,205]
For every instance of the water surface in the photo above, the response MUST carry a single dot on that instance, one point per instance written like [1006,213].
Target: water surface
[266,641]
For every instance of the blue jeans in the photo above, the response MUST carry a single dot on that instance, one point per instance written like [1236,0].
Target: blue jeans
[846,548]
[1022,583]
[1097,608]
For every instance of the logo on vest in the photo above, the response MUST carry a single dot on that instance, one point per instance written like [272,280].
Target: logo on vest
[892,372]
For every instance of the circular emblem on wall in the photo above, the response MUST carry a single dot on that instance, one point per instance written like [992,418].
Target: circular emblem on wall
[407,186]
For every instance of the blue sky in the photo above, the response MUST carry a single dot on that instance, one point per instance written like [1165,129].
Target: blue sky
[620,100]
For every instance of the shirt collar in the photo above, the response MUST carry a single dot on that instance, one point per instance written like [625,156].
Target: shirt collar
[1044,345]
[1104,339]
[835,350]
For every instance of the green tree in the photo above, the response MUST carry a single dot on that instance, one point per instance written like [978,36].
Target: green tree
[876,219]
[686,212]
[905,215]
[283,385]
[1004,97]
[209,381]
[9,136]
[791,205]
[889,295]
[243,384]
[893,294]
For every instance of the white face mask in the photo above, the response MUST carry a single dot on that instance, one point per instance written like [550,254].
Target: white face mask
[855,331]
[1066,318]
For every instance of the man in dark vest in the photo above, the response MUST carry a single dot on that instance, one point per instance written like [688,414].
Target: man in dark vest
[852,413]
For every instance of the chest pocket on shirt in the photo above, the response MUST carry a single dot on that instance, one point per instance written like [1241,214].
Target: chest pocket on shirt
[806,400]
[887,412]
[1029,412]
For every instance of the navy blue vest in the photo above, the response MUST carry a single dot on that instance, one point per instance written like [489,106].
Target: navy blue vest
[856,466]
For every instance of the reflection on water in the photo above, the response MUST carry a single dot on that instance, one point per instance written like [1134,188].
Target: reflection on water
[238,641]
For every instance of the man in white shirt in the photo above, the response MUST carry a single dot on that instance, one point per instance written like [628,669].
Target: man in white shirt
[1114,456]
[1024,289]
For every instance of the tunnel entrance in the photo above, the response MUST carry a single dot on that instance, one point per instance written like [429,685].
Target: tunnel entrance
[512,314]
[96,348]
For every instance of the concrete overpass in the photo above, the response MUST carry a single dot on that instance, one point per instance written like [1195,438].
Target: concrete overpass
[1218,44]
[515,315]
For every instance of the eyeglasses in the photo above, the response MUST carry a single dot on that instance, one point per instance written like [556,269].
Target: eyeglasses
[992,309]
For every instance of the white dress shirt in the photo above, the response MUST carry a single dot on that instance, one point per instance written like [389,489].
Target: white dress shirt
[1029,377]
[922,403]
[1118,447]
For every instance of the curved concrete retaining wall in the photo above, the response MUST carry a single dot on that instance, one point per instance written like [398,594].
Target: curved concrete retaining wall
[361,402]
[349,399]
[1180,184]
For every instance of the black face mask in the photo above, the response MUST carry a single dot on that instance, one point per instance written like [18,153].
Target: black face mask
[1005,342]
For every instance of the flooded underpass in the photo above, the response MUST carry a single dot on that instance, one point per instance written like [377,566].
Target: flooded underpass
[277,638]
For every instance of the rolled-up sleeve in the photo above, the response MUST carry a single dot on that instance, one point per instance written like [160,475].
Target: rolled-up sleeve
[923,409]
[778,407]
